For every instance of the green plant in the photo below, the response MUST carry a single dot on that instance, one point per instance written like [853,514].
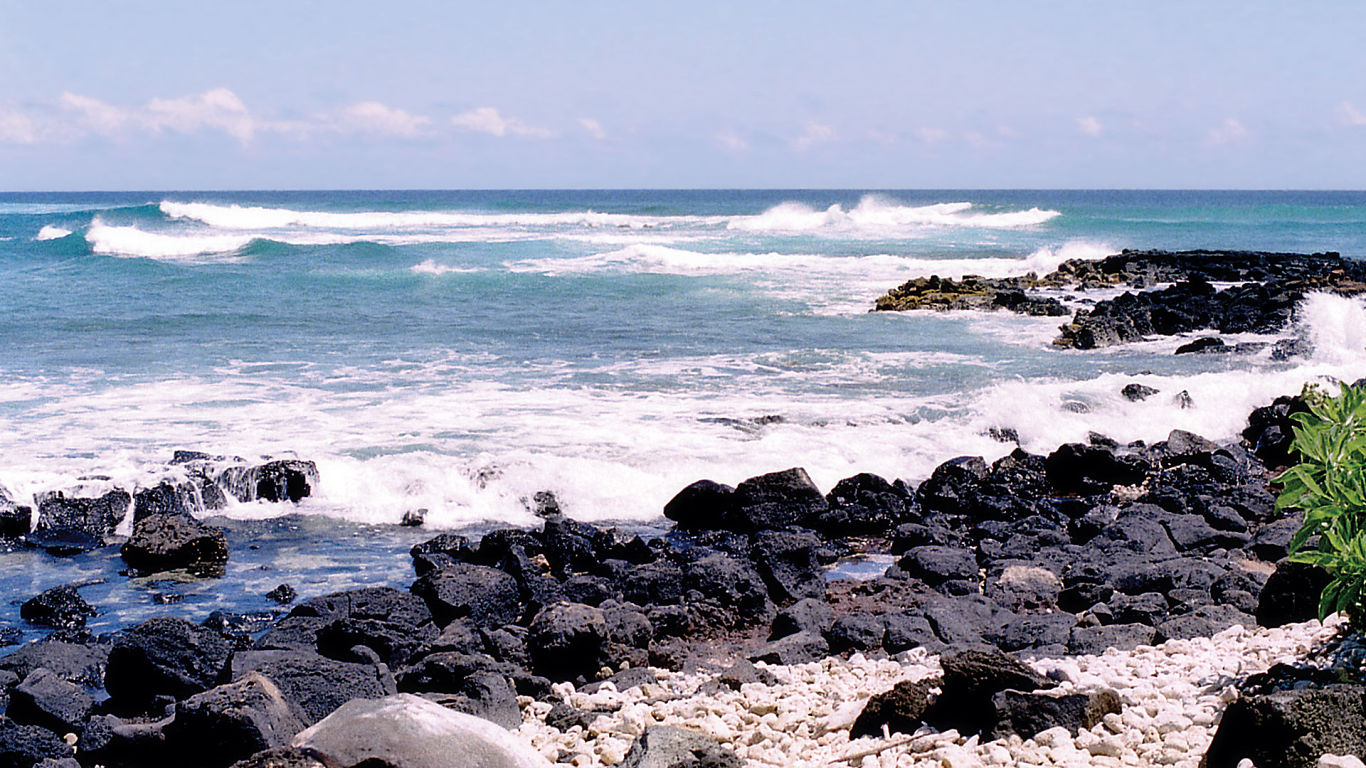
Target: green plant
[1329,486]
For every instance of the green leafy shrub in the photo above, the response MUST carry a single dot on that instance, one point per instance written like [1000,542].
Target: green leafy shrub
[1329,486]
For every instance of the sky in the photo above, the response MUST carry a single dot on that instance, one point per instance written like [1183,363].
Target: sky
[585,94]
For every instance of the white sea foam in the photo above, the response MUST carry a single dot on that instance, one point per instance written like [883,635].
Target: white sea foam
[52,232]
[255,218]
[430,267]
[128,241]
[878,215]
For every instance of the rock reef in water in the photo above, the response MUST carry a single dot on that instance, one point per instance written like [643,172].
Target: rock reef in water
[1267,287]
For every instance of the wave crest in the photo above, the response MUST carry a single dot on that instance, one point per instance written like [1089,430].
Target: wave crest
[52,232]
[878,215]
[131,242]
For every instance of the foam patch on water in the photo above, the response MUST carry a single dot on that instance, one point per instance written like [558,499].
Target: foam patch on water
[52,232]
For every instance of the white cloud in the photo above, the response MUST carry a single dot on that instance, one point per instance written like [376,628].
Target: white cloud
[815,133]
[218,109]
[489,120]
[732,142]
[1089,125]
[1227,132]
[593,127]
[376,118]
[1350,115]
[95,114]
[17,128]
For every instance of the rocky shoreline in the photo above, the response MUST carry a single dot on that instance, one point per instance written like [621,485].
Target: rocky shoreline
[1095,551]
[1173,292]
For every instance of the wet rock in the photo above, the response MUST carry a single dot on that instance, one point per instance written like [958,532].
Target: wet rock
[900,710]
[47,700]
[952,485]
[1136,392]
[863,505]
[1290,728]
[164,498]
[1291,594]
[164,656]
[567,640]
[662,746]
[703,505]
[96,516]
[1029,714]
[62,542]
[235,720]
[413,518]
[1088,469]
[1205,344]
[409,731]
[15,519]
[488,596]
[275,481]
[168,542]
[60,608]
[315,684]
[283,594]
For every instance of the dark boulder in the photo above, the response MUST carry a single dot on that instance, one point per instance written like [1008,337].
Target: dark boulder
[976,672]
[863,505]
[1029,714]
[788,563]
[1077,468]
[283,594]
[394,642]
[776,500]
[900,710]
[704,505]
[79,663]
[952,485]
[315,684]
[1291,728]
[488,596]
[1291,594]
[1052,631]
[168,542]
[45,699]
[805,615]
[732,584]
[909,629]
[1204,344]
[60,608]
[1272,542]
[1122,637]
[662,746]
[232,721]
[857,632]
[935,565]
[164,656]
[164,498]
[567,641]
[25,746]
[96,516]
[485,695]
[743,673]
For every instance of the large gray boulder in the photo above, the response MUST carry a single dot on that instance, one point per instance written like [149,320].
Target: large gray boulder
[165,542]
[412,732]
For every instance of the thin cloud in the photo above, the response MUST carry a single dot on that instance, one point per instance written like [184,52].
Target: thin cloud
[1089,125]
[218,109]
[17,128]
[593,127]
[815,133]
[1228,132]
[489,120]
[932,135]
[372,117]
[1350,115]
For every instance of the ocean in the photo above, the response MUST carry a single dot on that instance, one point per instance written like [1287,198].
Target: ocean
[461,351]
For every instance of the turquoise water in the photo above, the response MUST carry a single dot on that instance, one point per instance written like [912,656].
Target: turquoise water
[459,351]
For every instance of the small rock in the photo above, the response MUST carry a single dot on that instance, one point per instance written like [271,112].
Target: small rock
[1136,392]
[60,608]
[901,709]
[664,746]
[284,594]
[169,542]
[413,518]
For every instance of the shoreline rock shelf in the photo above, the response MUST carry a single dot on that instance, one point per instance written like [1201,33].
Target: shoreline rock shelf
[1131,579]
[1261,299]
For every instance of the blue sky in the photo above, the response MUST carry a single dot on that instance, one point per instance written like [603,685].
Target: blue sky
[141,95]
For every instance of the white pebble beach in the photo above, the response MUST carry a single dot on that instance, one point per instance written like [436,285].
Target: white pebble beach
[1173,695]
